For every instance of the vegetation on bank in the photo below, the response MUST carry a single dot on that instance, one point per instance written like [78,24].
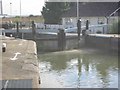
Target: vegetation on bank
[26,19]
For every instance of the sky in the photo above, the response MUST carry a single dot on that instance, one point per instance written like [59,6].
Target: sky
[28,7]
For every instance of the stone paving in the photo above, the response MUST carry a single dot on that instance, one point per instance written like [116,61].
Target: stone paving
[20,61]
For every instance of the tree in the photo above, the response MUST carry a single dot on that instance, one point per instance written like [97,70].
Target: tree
[52,11]
[31,15]
[17,16]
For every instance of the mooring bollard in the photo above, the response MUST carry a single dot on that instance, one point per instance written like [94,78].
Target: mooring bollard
[61,39]
[33,30]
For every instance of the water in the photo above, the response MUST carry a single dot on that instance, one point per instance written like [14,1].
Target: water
[78,69]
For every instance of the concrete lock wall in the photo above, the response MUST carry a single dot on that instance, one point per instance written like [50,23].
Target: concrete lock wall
[50,41]
[52,44]
[47,44]
[105,43]
[72,42]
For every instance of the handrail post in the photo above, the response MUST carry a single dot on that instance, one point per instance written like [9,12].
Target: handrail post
[33,30]
[17,31]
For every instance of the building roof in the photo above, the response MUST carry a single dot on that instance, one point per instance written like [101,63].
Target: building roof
[91,9]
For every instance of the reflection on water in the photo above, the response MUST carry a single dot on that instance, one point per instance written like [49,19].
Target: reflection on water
[72,70]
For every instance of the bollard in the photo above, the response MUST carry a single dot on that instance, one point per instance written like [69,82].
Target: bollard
[61,39]
[33,30]
[84,32]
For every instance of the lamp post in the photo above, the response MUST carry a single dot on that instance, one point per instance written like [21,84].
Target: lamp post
[10,13]
[77,9]
[78,24]
[1,7]
[20,16]
[20,8]
[10,9]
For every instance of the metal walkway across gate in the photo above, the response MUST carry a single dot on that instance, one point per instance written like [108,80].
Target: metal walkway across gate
[8,84]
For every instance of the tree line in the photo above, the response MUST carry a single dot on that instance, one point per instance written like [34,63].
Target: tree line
[52,11]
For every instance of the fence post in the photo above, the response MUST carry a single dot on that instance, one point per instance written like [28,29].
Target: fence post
[61,39]
[33,30]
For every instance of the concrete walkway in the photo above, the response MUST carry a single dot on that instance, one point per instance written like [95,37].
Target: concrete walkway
[19,62]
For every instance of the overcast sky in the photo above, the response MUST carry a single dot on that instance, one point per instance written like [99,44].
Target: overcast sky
[27,7]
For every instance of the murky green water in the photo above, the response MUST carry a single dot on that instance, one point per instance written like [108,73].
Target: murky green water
[75,69]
